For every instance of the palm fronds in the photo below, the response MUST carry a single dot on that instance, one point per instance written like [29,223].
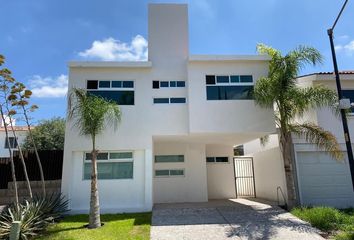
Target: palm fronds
[324,140]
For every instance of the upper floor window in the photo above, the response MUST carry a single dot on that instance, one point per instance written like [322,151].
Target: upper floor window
[349,94]
[167,84]
[121,92]
[13,142]
[229,87]
[217,159]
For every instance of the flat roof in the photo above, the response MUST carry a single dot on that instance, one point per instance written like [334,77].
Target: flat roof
[111,64]
[206,58]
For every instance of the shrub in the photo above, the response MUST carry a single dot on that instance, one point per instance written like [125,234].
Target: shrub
[323,218]
[35,215]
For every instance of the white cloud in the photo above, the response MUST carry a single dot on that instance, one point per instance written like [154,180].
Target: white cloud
[347,48]
[49,87]
[111,49]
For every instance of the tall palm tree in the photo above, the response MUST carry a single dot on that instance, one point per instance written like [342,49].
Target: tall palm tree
[280,91]
[91,114]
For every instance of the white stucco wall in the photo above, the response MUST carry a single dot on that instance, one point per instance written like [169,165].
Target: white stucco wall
[189,188]
[269,174]
[221,178]
[129,193]
[228,116]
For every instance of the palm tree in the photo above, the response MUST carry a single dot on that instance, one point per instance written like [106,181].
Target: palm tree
[280,91]
[91,114]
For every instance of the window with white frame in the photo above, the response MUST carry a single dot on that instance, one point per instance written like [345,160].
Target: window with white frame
[168,84]
[217,159]
[169,158]
[229,87]
[169,173]
[172,100]
[110,165]
[121,92]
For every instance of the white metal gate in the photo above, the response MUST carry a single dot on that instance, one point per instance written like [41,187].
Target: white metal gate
[244,177]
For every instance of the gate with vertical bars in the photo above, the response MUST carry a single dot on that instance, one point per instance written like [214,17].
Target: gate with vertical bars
[244,177]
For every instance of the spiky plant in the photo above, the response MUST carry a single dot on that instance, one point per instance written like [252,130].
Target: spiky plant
[90,115]
[35,215]
[280,91]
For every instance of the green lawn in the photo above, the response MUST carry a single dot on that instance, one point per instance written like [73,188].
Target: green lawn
[339,224]
[116,226]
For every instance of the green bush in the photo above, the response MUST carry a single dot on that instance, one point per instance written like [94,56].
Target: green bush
[323,218]
[345,236]
[35,215]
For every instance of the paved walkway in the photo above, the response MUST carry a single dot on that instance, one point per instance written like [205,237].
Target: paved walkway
[227,220]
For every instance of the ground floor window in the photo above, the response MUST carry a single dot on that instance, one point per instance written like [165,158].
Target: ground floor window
[110,165]
[169,172]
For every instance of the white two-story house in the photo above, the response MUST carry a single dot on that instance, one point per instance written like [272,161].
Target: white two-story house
[182,115]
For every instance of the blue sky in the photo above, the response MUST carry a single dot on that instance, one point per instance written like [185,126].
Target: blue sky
[39,37]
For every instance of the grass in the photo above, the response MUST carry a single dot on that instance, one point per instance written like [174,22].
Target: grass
[338,223]
[116,226]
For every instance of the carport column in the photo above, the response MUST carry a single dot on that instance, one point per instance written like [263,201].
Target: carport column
[148,179]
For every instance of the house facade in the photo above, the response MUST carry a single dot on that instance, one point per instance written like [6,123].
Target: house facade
[21,133]
[321,180]
[182,115]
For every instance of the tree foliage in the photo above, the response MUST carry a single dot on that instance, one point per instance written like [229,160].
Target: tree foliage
[280,90]
[48,135]
[91,115]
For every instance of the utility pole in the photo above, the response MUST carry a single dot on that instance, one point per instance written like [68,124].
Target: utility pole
[343,103]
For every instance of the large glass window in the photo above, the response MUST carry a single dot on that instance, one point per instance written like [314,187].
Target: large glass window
[121,92]
[169,158]
[110,165]
[229,92]
[349,94]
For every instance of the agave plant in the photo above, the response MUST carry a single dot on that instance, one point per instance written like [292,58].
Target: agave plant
[35,215]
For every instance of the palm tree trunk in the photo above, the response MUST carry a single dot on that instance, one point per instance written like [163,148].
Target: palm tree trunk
[288,158]
[94,218]
[13,173]
[22,160]
[35,150]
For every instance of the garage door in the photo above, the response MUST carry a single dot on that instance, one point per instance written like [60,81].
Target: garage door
[323,181]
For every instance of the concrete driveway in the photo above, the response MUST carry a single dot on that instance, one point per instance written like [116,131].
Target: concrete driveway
[227,219]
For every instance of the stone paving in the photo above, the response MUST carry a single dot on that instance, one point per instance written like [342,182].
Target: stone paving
[227,220]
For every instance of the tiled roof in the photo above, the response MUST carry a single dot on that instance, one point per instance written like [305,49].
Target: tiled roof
[17,128]
[328,73]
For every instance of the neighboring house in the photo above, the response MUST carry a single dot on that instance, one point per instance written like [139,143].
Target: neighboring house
[182,115]
[21,133]
[321,180]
